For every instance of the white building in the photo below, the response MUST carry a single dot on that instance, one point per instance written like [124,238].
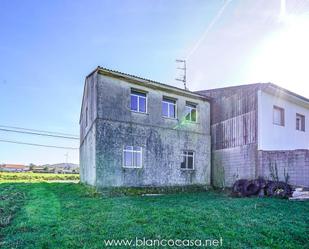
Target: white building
[256,128]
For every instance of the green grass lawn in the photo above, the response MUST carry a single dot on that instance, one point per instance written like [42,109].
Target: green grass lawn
[36,177]
[66,215]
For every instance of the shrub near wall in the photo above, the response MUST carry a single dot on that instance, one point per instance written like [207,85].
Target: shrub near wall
[119,191]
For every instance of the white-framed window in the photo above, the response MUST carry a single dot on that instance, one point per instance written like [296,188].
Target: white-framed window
[138,101]
[278,115]
[168,108]
[300,122]
[132,157]
[191,112]
[187,160]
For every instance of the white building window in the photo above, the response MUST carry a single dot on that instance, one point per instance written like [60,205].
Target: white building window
[278,116]
[191,112]
[138,101]
[188,160]
[168,108]
[300,122]
[86,118]
[132,157]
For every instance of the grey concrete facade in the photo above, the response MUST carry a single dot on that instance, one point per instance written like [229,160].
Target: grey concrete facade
[111,126]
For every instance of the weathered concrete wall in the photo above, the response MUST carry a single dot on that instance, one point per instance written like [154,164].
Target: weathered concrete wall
[162,139]
[88,157]
[162,155]
[293,162]
[89,104]
[114,104]
[229,165]
[88,132]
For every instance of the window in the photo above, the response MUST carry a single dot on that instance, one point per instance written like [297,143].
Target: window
[191,112]
[300,122]
[188,160]
[132,157]
[86,117]
[138,101]
[168,108]
[278,116]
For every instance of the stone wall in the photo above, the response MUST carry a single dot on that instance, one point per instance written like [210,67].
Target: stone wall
[229,165]
[293,162]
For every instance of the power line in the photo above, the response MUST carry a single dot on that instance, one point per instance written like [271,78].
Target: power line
[39,145]
[209,27]
[27,129]
[39,134]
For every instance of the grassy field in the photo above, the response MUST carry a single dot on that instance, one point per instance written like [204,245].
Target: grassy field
[36,177]
[67,215]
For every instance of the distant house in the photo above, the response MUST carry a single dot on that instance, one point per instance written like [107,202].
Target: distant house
[64,168]
[256,128]
[39,169]
[14,168]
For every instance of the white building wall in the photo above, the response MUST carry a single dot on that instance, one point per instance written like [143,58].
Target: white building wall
[275,137]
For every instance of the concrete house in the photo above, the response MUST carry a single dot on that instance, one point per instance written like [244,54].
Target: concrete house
[256,127]
[138,132]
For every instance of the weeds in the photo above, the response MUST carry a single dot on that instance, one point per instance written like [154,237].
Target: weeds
[36,177]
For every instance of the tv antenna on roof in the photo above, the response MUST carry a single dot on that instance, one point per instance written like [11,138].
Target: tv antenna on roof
[183,79]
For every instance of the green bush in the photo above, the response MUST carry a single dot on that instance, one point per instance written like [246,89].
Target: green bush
[36,177]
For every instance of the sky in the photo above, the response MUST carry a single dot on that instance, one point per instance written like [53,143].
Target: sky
[48,47]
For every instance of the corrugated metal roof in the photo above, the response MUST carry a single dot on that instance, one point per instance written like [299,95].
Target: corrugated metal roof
[260,86]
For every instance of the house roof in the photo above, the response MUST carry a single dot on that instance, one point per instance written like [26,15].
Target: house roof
[14,166]
[149,81]
[269,87]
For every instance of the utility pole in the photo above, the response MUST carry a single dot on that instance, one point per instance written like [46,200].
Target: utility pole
[66,158]
[183,79]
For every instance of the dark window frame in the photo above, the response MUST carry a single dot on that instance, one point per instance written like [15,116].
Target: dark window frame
[186,154]
[86,116]
[302,125]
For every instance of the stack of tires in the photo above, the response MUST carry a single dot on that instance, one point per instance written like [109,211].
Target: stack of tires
[261,187]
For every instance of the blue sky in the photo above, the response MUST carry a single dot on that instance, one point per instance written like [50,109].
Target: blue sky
[48,47]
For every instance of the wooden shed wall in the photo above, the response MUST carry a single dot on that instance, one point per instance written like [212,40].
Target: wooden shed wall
[234,116]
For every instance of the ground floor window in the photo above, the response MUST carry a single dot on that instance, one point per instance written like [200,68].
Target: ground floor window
[188,160]
[132,157]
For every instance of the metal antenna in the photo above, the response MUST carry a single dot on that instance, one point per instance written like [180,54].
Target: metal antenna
[184,69]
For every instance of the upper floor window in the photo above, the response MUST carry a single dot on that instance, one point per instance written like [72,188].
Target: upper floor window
[188,160]
[138,101]
[278,115]
[191,112]
[132,157]
[300,122]
[168,108]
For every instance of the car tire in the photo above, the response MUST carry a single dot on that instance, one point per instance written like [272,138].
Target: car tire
[279,189]
[238,186]
[251,188]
